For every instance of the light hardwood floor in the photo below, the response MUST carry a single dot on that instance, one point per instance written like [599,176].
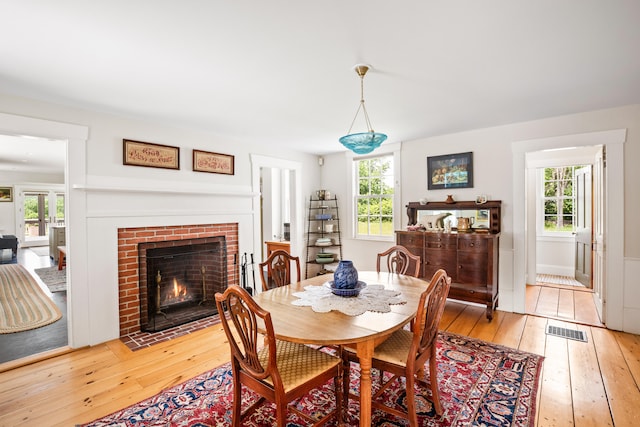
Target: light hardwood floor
[583,384]
[563,303]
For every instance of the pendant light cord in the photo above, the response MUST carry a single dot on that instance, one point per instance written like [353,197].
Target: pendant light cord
[364,109]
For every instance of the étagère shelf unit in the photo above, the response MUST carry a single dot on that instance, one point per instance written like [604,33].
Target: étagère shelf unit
[324,244]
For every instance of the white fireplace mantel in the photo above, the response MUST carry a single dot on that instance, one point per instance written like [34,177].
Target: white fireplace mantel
[115,185]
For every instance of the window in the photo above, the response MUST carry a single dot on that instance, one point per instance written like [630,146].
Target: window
[374,196]
[559,199]
[59,218]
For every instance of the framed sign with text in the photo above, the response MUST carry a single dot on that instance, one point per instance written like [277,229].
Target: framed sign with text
[137,153]
[204,161]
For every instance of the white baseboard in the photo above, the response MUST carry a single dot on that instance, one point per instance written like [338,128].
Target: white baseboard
[557,270]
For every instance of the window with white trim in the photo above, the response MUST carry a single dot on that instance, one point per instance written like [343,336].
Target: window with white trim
[374,196]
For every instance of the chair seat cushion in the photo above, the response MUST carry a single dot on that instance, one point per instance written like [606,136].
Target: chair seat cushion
[298,363]
[394,349]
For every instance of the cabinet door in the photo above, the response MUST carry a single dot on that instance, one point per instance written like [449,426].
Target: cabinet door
[440,258]
[472,261]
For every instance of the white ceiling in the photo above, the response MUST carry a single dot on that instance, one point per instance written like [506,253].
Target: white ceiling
[280,71]
[31,155]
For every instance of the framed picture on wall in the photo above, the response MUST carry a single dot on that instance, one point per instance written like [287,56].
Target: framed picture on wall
[6,194]
[204,161]
[450,171]
[138,153]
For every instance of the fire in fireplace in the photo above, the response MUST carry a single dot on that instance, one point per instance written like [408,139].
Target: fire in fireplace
[178,280]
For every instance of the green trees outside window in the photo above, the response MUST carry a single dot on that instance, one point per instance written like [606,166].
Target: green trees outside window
[374,199]
[559,198]
[31,207]
[37,215]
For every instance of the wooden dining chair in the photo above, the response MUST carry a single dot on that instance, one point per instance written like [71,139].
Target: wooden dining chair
[275,271]
[279,371]
[405,353]
[399,260]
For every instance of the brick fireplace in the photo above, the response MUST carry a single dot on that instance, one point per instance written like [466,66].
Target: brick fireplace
[131,240]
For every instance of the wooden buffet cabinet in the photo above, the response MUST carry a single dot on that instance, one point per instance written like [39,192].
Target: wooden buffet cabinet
[273,246]
[469,258]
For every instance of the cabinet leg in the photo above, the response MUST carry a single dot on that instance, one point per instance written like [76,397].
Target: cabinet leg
[489,313]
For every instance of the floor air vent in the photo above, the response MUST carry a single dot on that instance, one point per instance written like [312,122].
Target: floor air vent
[572,334]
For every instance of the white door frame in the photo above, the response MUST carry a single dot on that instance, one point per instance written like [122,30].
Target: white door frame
[296,226]
[75,213]
[524,225]
[598,233]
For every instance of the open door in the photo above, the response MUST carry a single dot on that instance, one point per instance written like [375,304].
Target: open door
[598,232]
[583,226]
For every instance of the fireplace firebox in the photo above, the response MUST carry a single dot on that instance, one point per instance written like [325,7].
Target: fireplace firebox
[178,280]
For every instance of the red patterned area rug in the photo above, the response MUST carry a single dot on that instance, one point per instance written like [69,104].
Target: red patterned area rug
[480,384]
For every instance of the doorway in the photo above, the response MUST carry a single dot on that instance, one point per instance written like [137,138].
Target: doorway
[36,171]
[275,213]
[612,284]
[564,206]
[563,223]
[75,138]
[294,202]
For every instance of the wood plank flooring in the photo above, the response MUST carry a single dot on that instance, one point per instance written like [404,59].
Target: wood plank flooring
[565,303]
[583,384]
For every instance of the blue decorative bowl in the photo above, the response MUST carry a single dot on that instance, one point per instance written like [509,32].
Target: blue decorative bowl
[352,292]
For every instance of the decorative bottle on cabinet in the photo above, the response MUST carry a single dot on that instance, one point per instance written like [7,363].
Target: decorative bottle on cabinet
[324,245]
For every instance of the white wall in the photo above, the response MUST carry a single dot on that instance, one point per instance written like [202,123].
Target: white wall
[104,195]
[336,177]
[494,175]
[555,255]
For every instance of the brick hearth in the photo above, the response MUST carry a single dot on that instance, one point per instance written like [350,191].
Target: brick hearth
[139,340]
[128,268]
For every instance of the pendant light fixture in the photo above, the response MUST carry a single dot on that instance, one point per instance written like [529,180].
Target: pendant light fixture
[363,142]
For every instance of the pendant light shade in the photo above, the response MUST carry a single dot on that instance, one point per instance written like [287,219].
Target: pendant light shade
[362,142]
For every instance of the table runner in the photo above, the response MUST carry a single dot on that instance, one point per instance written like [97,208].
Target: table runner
[373,297]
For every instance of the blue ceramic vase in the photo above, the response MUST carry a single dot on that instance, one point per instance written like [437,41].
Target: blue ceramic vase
[345,276]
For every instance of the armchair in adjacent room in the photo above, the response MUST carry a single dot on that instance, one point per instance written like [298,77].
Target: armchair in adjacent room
[9,241]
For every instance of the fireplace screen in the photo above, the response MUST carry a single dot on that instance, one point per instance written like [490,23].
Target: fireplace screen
[178,281]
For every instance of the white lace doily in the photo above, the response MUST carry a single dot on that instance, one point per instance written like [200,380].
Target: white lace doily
[371,298]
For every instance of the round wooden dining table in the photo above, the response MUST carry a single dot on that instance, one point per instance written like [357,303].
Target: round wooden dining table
[363,332]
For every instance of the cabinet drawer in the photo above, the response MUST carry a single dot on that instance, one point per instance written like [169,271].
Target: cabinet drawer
[444,242]
[471,244]
[411,239]
[468,293]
